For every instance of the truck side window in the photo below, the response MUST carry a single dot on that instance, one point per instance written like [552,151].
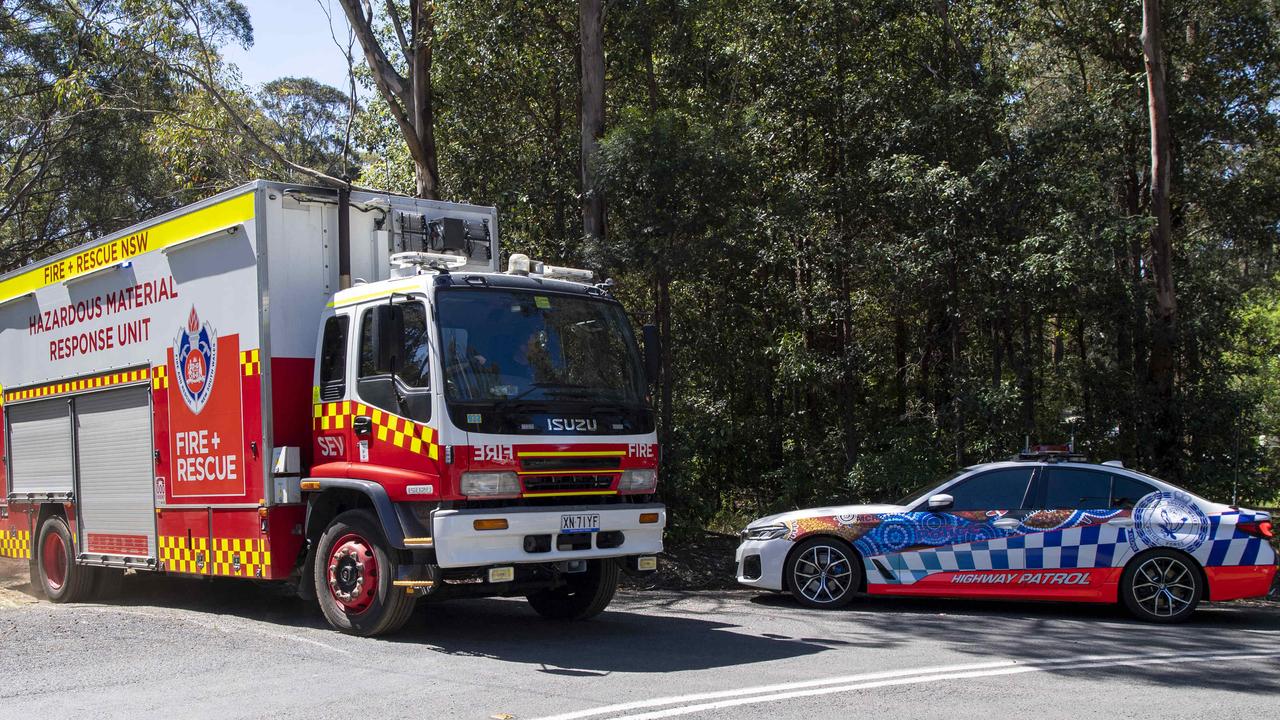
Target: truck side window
[333,359]
[395,372]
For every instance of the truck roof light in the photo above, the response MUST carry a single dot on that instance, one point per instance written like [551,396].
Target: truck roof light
[520,264]
[553,272]
[407,264]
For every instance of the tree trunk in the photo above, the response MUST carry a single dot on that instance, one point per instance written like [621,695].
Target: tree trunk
[591,29]
[426,171]
[900,363]
[666,382]
[410,100]
[1161,366]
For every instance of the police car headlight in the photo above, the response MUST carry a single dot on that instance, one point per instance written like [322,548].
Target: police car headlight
[764,532]
[638,481]
[489,484]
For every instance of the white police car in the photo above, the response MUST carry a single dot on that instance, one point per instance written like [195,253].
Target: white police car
[1045,526]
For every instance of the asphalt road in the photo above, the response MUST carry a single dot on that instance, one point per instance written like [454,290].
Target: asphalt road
[167,648]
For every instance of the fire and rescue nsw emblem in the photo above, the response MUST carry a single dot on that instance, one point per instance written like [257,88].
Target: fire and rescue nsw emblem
[195,355]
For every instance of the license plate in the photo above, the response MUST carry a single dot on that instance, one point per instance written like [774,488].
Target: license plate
[580,523]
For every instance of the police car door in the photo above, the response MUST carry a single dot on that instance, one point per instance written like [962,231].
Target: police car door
[986,509]
[1081,515]
[965,545]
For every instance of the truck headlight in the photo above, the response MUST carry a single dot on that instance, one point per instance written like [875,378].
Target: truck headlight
[638,481]
[489,484]
[765,532]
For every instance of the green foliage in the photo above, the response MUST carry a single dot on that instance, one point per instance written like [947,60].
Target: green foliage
[896,237]
[308,122]
[103,123]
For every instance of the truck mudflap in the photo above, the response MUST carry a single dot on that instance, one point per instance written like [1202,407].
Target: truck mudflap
[469,538]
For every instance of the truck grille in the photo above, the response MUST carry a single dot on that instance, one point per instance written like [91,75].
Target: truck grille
[571,463]
[567,483]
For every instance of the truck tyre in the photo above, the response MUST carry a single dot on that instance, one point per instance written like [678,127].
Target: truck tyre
[584,596]
[61,579]
[1161,586]
[354,575]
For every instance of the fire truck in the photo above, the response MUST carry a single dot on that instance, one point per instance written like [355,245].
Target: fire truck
[332,388]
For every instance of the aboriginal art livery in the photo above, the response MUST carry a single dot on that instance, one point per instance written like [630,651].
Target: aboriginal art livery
[928,546]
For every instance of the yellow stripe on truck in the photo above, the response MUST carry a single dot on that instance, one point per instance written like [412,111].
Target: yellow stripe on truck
[221,216]
[572,493]
[572,453]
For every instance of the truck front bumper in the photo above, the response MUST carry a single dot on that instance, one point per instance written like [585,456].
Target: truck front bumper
[458,543]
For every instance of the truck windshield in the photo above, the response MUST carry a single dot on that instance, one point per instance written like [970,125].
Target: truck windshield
[510,345]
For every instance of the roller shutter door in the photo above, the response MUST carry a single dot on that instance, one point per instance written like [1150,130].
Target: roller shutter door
[117,510]
[40,459]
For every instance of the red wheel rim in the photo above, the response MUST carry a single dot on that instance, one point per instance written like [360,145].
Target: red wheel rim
[353,573]
[53,556]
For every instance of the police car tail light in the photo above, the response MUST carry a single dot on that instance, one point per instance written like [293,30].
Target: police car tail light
[638,481]
[1262,529]
[490,484]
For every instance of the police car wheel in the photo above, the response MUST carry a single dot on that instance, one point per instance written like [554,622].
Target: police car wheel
[61,579]
[823,572]
[1161,586]
[583,596]
[354,577]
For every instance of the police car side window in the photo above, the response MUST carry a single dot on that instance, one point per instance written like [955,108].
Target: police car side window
[1126,492]
[1002,489]
[1082,489]
[1077,488]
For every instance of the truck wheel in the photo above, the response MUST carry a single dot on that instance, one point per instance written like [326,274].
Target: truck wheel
[1161,586]
[584,596]
[61,579]
[354,572]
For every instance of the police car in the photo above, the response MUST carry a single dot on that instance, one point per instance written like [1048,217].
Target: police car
[1046,525]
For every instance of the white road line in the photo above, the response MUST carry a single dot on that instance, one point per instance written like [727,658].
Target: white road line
[867,681]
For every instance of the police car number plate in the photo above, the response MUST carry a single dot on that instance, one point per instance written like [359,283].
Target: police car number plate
[589,522]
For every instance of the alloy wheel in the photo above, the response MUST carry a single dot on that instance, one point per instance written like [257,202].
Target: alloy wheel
[1164,586]
[822,574]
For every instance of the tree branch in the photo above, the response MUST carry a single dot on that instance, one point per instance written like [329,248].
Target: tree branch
[399,26]
[390,83]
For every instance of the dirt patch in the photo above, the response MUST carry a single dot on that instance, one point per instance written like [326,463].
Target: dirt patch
[705,562]
[15,584]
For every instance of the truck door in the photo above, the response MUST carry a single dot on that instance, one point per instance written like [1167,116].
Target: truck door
[393,405]
[332,431]
[115,460]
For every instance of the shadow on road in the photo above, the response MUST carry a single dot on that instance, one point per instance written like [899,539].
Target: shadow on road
[1035,632]
[630,637]
[626,640]
[659,632]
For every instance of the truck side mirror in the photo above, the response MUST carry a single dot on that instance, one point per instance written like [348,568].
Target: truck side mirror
[652,353]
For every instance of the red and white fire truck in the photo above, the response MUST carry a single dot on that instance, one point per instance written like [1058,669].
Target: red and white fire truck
[334,388]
